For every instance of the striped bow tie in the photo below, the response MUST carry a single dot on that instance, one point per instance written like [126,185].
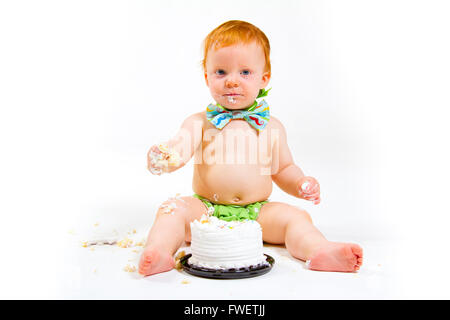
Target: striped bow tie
[257,115]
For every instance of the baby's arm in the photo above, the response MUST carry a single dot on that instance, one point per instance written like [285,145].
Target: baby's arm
[287,175]
[175,153]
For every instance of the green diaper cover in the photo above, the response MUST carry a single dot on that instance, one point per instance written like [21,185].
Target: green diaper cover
[231,212]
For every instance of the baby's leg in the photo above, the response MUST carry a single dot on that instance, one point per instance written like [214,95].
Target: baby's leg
[170,229]
[285,224]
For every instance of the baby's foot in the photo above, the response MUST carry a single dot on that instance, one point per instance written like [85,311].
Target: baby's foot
[152,261]
[336,256]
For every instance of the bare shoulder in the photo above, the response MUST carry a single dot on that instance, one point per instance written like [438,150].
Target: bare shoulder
[196,116]
[195,119]
[275,123]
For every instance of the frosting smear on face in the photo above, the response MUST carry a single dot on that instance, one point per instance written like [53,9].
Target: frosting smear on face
[231,99]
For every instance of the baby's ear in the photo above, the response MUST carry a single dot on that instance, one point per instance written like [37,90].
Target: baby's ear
[206,79]
[265,78]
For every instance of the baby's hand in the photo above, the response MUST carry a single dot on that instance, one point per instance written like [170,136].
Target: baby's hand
[160,157]
[309,189]
[154,160]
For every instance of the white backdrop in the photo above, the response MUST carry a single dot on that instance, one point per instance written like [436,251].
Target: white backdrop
[86,87]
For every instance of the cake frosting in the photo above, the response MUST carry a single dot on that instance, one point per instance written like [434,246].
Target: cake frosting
[219,244]
[165,158]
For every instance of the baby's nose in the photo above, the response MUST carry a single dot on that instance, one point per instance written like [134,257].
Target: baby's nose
[231,83]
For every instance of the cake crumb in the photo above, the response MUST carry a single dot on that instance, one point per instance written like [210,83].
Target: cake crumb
[185,282]
[165,158]
[129,268]
[168,208]
[140,243]
[125,243]
[96,224]
[178,257]
[132,231]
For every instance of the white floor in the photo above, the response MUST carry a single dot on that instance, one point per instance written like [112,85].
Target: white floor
[129,204]
[49,261]
[98,272]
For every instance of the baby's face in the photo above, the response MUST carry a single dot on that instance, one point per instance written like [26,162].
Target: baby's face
[235,74]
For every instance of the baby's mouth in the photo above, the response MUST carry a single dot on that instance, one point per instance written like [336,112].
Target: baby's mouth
[232,97]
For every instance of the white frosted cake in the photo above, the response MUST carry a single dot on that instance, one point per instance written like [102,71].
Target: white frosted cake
[219,244]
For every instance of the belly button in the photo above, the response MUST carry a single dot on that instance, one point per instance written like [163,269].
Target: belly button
[236,199]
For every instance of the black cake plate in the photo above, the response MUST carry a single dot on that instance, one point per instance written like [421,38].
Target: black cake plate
[238,273]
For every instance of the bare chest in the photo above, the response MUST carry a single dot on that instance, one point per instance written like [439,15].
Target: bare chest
[238,143]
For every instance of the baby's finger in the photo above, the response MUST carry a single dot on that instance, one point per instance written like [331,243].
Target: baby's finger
[314,188]
[155,149]
[155,170]
[316,194]
[303,194]
[310,198]
[312,195]
[310,187]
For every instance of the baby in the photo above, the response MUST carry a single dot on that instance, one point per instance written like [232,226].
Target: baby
[239,149]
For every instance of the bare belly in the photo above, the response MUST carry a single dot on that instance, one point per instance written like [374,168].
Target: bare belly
[231,184]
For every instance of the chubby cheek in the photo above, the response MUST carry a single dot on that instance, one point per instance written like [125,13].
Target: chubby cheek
[216,88]
[249,86]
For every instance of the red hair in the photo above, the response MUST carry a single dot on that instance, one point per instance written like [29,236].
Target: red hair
[233,32]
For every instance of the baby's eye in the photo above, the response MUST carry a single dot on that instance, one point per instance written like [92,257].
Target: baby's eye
[245,72]
[220,72]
